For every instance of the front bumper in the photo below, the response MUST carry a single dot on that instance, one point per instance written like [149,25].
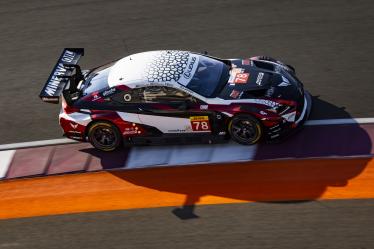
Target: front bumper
[284,130]
[307,108]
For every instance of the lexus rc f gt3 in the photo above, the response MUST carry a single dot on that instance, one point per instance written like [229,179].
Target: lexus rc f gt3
[170,96]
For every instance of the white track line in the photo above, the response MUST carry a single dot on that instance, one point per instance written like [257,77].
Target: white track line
[6,158]
[36,144]
[69,141]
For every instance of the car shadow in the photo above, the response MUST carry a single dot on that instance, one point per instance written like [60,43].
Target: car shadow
[100,160]
[267,181]
[260,181]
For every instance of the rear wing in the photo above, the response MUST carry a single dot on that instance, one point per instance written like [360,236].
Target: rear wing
[61,74]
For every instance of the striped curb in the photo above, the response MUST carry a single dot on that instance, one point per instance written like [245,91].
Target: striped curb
[318,139]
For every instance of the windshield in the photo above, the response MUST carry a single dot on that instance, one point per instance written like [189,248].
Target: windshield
[97,79]
[209,77]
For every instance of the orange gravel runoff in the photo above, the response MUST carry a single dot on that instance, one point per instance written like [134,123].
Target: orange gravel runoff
[316,179]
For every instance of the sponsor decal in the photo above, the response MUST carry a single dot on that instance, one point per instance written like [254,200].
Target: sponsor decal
[237,70]
[285,82]
[203,107]
[96,97]
[188,72]
[241,78]
[74,126]
[127,97]
[260,76]
[265,102]
[200,123]
[131,131]
[246,62]
[74,132]
[53,83]
[51,99]
[109,92]
[233,74]
[235,94]
[177,131]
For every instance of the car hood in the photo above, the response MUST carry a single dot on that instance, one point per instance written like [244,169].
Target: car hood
[249,81]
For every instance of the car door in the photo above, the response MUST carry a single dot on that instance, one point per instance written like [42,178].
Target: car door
[171,111]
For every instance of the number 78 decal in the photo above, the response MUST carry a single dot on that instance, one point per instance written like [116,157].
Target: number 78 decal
[200,123]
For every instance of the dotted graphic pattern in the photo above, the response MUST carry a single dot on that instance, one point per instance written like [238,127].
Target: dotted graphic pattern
[167,66]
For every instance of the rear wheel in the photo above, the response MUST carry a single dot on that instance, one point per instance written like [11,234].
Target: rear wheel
[104,136]
[244,129]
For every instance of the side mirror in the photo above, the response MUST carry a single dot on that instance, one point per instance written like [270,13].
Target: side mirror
[205,52]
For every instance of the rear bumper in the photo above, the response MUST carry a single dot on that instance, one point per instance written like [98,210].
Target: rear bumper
[74,124]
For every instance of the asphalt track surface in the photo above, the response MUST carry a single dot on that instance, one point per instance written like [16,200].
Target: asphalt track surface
[330,43]
[309,225]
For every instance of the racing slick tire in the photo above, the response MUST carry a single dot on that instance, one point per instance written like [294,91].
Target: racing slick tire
[245,129]
[104,136]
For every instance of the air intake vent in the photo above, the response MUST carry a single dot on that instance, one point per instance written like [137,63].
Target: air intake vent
[264,65]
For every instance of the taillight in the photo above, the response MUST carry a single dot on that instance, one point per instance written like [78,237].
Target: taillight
[68,109]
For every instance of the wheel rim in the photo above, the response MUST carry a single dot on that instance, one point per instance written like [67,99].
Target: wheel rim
[245,130]
[104,137]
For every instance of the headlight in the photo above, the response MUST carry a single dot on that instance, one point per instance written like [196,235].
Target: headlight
[280,109]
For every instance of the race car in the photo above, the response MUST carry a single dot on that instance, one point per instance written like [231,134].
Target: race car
[173,97]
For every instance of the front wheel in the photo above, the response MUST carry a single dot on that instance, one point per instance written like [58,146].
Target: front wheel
[104,136]
[244,129]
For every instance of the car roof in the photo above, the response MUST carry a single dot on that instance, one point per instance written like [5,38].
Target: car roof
[168,67]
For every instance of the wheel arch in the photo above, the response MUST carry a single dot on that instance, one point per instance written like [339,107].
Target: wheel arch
[238,114]
[94,121]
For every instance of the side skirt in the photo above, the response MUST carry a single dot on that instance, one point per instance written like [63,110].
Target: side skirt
[177,139]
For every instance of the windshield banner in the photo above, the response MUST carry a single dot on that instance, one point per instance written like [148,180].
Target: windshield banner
[189,70]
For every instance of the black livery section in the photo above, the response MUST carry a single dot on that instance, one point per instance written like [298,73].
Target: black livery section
[260,78]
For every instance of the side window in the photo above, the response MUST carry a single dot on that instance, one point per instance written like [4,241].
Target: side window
[130,96]
[165,94]
[152,94]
